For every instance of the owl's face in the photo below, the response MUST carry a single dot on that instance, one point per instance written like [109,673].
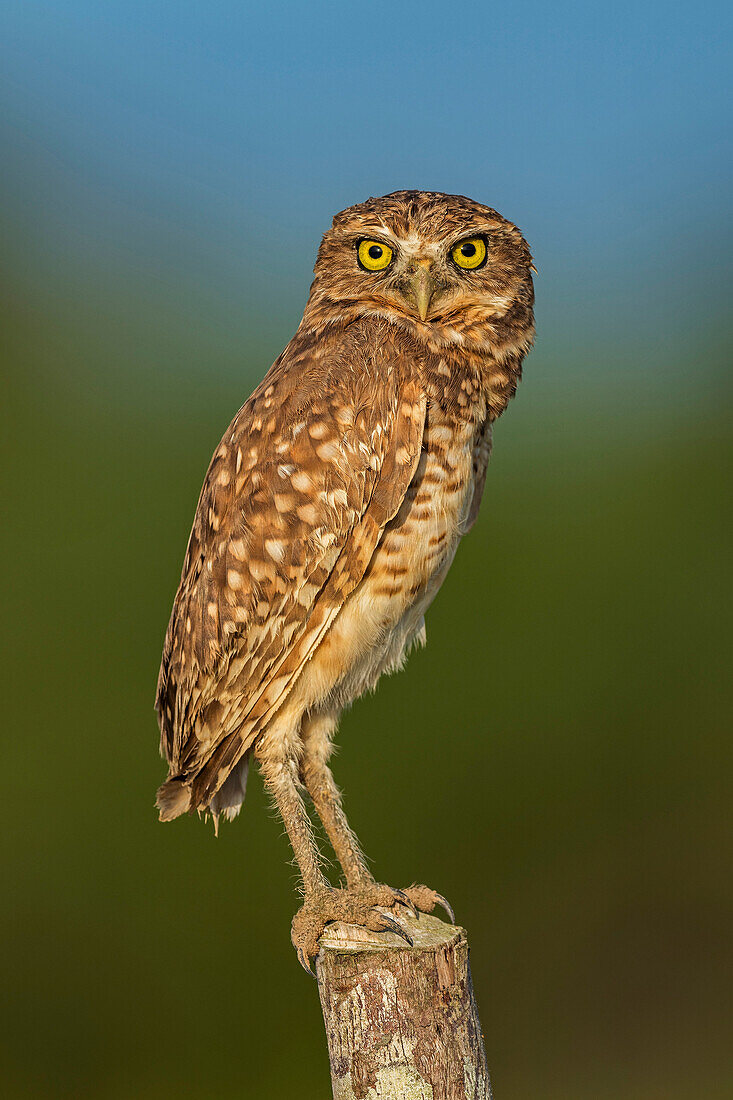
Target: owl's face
[440,264]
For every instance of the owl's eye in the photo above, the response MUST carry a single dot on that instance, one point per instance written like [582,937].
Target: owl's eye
[469,254]
[374,256]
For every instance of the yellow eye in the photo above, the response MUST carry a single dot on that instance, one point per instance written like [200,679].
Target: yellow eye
[469,254]
[374,256]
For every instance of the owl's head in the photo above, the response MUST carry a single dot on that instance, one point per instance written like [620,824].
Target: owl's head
[444,267]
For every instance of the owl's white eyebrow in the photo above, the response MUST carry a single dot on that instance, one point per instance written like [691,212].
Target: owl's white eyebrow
[415,243]
[477,231]
[378,231]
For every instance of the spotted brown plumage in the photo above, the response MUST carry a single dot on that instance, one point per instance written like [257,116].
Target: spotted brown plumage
[329,516]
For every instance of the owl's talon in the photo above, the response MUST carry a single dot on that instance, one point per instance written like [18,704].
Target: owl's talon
[424,899]
[361,905]
[447,906]
[304,961]
[387,924]
[403,899]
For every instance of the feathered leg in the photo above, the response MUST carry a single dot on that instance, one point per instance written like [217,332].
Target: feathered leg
[317,734]
[282,758]
[279,755]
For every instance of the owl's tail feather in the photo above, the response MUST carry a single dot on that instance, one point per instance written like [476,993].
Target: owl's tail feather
[230,796]
[174,799]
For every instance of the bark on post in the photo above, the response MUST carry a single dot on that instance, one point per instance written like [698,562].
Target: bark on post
[401,1022]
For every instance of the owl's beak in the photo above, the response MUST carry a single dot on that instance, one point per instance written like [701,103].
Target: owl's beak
[423,285]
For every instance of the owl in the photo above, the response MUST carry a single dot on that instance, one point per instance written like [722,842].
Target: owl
[329,517]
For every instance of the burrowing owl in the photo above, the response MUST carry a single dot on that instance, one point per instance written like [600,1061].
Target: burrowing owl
[330,515]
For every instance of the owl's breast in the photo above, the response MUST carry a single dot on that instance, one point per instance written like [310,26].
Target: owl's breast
[384,615]
[424,534]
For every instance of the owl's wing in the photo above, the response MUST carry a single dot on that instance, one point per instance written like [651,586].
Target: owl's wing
[481,456]
[292,509]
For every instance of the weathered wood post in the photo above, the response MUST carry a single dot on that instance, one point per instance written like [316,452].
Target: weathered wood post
[401,1022]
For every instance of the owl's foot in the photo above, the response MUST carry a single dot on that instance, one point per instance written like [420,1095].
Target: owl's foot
[424,900]
[353,906]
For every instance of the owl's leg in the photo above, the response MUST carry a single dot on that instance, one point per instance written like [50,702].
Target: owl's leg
[278,753]
[317,735]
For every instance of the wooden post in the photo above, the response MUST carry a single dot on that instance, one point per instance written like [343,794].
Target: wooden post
[401,1021]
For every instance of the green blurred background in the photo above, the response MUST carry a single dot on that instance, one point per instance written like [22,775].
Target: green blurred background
[557,760]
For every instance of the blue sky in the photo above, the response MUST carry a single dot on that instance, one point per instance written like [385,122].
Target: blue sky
[211,143]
